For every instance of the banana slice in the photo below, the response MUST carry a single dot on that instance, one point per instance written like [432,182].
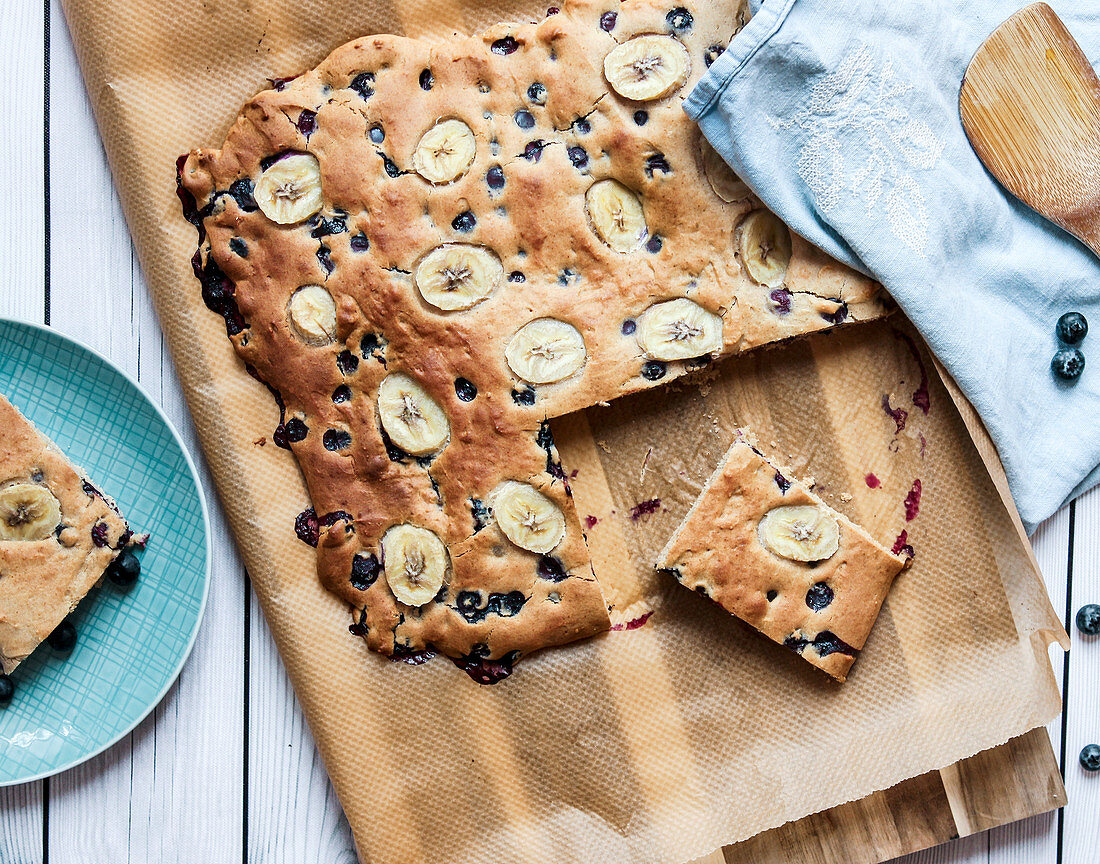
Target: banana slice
[28,512]
[445,152]
[765,248]
[412,418]
[647,67]
[679,330]
[726,185]
[414,561]
[290,190]
[616,215]
[527,517]
[546,350]
[457,276]
[800,533]
[312,315]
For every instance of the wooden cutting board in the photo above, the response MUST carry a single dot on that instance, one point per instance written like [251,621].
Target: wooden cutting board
[1014,781]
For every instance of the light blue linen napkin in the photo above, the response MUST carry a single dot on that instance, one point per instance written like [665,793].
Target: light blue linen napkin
[842,115]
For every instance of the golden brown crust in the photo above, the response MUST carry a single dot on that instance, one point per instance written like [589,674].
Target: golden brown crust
[717,550]
[42,581]
[373,101]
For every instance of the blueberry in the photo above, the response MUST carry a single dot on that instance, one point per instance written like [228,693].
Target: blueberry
[629,326]
[465,390]
[465,221]
[307,122]
[656,162]
[1088,619]
[7,691]
[125,569]
[323,257]
[99,534]
[782,482]
[326,227]
[495,177]
[839,316]
[391,167]
[341,394]
[481,514]
[524,119]
[536,93]
[679,18]
[363,84]
[641,117]
[468,601]
[578,156]
[654,244]
[369,344]
[238,247]
[426,79]
[295,430]
[533,151]
[307,527]
[1090,757]
[654,370]
[516,276]
[507,45]
[551,568]
[364,570]
[582,126]
[819,596]
[712,54]
[553,10]
[63,638]
[1072,328]
[337,439]
[360,243]
[781,299]
[524,397]
[377,134]
[241,190]
[771,595]
[607,21]
[1068,364]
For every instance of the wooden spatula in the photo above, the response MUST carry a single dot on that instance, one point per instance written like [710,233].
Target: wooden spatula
[1030,104]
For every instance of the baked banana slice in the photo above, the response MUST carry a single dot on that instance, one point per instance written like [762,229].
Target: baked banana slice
[546,350]
[28,512]
[445,152]
[458,276]
[679,330]
[765,246]
[647,67]
[413,419]
[616,215]
[527,517]
[289,191]
[801,533]
[312,315]
[414,561]
[725,183]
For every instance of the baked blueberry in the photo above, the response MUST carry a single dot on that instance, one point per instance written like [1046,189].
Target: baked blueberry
[608,20]
[654,244]
[377,134]
[654,370]
[495,177]
[782,482]
[712,53]
[641,117]
[1090,757]
[364,571]
[481,514]
[238,247]
[537,93]
[505,46]
[307,122]
[526,396]
[426,79]
[551,568]
[371,345]
[516,276]
[524,119]
[341,394]
[553,10]
[465,390]
[1068,364]
[781,299]
[241,190]
[533,151]
[323,257]
[391,167]
[839,316]
[819,596]
[464,222]
[771,595]
[828,643]
[582,126]
[307,527]
[578,156]
[337,439]
[363,84]
[1072,328]
[360,243]
[7,691]
[295,430]
[346,362]
[629,326]
[679,19]
[656,162]
[125,569]
[325,227]
[99,534]
[63,638]
[1088,619]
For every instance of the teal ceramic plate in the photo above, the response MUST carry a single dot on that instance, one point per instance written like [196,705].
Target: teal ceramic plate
[131,644]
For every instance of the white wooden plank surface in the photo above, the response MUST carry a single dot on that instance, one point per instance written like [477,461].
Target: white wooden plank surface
[186,785]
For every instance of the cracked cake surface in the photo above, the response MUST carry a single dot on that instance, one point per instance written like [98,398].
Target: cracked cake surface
[58,535]
[428,248]
[759,543]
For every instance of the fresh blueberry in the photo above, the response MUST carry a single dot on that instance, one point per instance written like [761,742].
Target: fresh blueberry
[1088,619]
[364,571]
[63,638]
[551,568]
[656,162]
[125,569]
[7,691]
[641,117]
[1072,328]
[465,221]
[537,93]
[654,244]
[426,79]
[607,21]
[654,370]
[465,390]
[295,430]
[377,134]
[337,439]
[495,177]
[238,247]
[507,45]
[363,84]
[1068,364]
[524,397]
[516,276]
[578,156]
[679,18]
[629,326]
[360,243]
[1090,757]
[524,119]
[341,394]
[819,596]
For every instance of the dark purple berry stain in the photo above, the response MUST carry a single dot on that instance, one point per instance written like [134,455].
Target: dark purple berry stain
[346,362]
[644,508]
[295,430]
[912,501]
[524,397]
[307,527]
[341,394]
[408,656]
[363,84]
[654,244]
[920,395]
[196,264]
[360,243]
[465,389]
[899,415]
[241,192]
[782,482]
[524,119]
[633,623]
[280,83]
[537,93]
[839,316]
[188,203]
[480,513]
[819,596]
[99,534]
[238,247]
[336,439]
[641,117]
[377,134]
[495,178]
[590,522]
[217,294]
[268,161]
[505,46]
[307,122]
[551,568]
[533,151]
[608,20]
[901,545]
[426,79]
[578,156]
[364,571]
[654,370]
[781,299]
[485,671]
[505,605]
[656,163]
[679,19]
[464,222]
[872,481]
[825,643]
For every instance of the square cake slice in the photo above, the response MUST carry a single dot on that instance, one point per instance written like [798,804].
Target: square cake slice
[764,547]
[58,535]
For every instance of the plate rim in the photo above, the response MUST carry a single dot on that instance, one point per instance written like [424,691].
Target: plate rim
[207,553]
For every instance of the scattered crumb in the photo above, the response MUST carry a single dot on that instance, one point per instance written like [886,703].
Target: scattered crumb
[845,497]
[260,442]
[810,482]
[603,446]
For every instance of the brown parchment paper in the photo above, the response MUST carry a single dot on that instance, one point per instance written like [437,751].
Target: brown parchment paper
[656,744]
